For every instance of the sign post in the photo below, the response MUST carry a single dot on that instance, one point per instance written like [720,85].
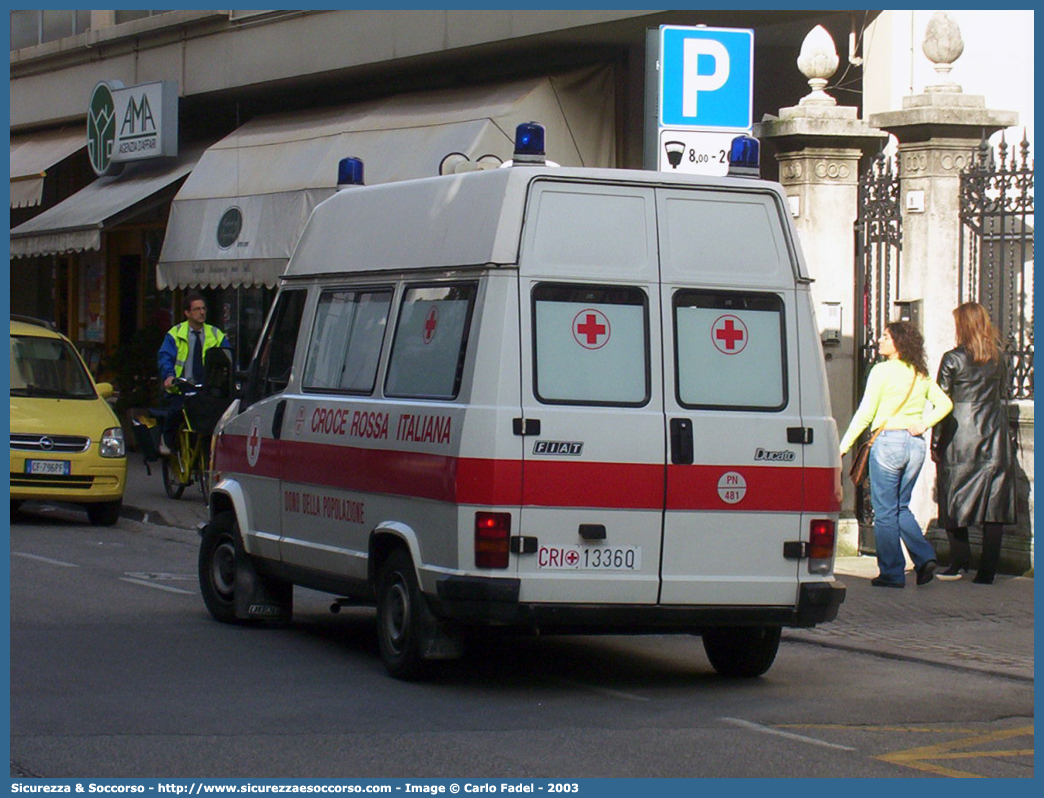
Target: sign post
[705,97]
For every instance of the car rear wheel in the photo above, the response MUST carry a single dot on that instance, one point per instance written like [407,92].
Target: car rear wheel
[742,652]
[171,479]
[104,513]
[399,618]
[217,567]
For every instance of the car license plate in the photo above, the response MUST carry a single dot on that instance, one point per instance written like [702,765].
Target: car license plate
[590,558]
[60,468]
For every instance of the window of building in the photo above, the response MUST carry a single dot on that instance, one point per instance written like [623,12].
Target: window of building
[30,28]
[591,344]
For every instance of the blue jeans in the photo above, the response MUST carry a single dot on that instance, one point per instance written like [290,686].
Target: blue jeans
[895,461]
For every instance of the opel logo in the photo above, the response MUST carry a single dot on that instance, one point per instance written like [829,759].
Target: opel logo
[46,443]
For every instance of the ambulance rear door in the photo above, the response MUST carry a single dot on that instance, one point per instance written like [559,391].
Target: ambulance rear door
[592,404]
[732,399]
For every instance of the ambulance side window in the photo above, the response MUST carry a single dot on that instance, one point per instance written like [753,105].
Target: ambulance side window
[431,339]
[270,373]
[346,340]
[730,350]
[590,345]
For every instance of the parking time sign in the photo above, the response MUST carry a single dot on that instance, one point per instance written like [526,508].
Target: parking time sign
[706,78]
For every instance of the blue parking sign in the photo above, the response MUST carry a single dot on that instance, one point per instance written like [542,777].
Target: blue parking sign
[706,78]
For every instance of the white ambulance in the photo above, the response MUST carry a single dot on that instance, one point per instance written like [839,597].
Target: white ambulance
[548,399]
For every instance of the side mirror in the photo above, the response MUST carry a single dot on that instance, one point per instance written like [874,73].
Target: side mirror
[105,389]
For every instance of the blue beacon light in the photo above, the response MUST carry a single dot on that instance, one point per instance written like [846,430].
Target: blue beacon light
[349,172]
[529,145]
[745,157]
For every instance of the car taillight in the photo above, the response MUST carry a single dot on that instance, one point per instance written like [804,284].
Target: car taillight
[492,539]
[821,536]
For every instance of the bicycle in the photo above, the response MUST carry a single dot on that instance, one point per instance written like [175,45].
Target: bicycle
[189,459]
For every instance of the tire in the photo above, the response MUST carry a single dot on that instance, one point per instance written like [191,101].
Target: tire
[400,626]
[16,505]
[217,567]
[742,652]
[171,482]
[104,513]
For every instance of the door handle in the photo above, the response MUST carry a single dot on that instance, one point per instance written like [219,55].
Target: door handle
[681,441]
[277,419]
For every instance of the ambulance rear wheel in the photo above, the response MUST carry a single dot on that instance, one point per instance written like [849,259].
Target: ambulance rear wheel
[400,628]
[742,652]
[217,567]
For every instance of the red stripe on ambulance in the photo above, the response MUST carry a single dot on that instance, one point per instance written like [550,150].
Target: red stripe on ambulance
[478,481]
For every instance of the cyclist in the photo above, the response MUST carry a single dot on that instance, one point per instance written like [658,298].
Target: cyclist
[181,355]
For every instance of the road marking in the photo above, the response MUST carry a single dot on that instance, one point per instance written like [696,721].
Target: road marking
[746,724]
[169,589]
[916,757]
[47,560]
[603,690]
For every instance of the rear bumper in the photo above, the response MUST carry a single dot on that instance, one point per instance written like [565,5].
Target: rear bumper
[481,600]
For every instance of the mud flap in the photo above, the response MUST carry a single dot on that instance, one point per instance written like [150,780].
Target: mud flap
[438,640]
[258,598]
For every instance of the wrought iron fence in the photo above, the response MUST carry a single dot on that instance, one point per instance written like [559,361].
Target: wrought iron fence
[996,250]
[879,243]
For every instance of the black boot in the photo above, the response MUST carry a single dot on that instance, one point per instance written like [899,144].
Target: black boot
[992,535]
[960,554]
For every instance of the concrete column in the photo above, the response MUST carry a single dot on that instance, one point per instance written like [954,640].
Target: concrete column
[938,132]
[819,148]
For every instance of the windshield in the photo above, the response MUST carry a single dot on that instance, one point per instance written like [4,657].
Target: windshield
[47,367]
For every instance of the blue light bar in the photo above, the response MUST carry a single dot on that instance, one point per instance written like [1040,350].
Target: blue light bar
[745,157]
[529,145]
[350,172]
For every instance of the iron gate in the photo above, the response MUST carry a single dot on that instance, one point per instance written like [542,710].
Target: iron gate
[879,243]
[996,251]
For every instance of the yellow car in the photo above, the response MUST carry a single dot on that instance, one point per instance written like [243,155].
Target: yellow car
[66,443]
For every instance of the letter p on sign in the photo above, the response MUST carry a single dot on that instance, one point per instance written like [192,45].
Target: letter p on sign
[692,81]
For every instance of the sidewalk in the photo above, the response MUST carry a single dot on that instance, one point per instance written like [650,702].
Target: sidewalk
[986,628]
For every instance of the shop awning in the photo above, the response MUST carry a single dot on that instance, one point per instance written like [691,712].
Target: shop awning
[274,169]
[33,154]
[76,223]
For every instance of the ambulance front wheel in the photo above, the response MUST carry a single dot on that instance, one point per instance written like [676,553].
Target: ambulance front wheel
[217,567]
[742,652]
[400,618]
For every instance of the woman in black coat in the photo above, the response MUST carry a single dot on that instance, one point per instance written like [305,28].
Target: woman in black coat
[976,477]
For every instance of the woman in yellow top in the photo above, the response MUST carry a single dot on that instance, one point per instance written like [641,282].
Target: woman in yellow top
[898,453]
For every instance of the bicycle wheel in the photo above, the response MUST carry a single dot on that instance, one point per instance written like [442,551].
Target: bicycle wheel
[172,483]
[203,467]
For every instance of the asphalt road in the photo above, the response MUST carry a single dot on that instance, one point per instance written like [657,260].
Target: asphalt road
[118,671]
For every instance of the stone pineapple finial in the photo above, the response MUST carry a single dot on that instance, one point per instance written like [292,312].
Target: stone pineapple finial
[943,45]
[818,62]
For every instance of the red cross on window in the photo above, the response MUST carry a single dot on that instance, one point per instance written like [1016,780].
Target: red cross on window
[591,329]
[729,335]
[431,321]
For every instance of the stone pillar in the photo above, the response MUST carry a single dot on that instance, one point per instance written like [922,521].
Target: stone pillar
[819,148]
[938,132]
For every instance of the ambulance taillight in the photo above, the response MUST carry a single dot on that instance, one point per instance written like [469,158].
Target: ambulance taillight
[492,539]
[821,536]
